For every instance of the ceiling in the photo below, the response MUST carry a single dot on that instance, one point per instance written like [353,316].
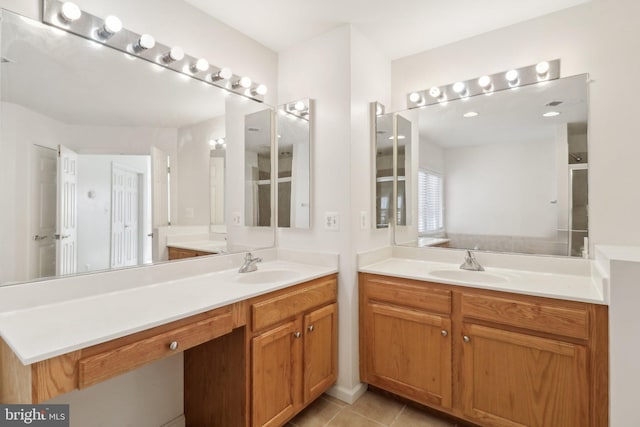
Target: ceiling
[399,28]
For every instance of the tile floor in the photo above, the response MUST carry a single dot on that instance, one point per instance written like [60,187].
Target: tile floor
[371,410]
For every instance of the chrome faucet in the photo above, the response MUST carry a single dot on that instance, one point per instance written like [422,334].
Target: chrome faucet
[470,263]
[249,264]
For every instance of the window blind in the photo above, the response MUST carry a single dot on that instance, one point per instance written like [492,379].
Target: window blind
[430,218]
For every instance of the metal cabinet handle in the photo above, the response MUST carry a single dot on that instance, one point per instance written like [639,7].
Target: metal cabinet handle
[173,345]
[465,338]
[444,333]
[297,334]
[310,328]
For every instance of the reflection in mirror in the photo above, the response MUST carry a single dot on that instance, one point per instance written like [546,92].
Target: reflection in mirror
[383,149]
[294,163]
[403,170]
[107,161]
[258,167]
[499,173]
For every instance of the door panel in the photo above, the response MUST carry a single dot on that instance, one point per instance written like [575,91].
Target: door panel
[276,375]
[67,212]
[412,353]
[124,217]
[513,379]
[320,351]
[42,258]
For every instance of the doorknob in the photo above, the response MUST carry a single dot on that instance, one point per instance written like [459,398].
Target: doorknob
[150,235]
[37,237]
[60,237]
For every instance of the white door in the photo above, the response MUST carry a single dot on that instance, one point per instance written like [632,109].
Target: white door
[67,212]
[42,249]
[124,216]
[160,187]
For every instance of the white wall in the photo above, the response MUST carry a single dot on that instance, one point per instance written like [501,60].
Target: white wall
[517,180]
[567,35]
[172,22]
[353,74]
[193,171]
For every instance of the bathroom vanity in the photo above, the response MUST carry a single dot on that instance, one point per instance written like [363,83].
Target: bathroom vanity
[258,347]
[485,346]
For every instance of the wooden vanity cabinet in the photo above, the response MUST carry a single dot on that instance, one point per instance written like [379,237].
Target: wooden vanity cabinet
[293,349]
[514,360]
[181,253]
[405,339]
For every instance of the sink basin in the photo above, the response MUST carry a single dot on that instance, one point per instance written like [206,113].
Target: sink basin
[266,276]
[469,276]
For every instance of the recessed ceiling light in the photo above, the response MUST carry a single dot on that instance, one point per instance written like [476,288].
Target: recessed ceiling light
[551,114]
[470,114]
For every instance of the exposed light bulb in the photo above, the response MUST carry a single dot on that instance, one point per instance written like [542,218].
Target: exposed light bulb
[512,76]
[175,54]
[260,90]
[145,42]
[70,12]
[112,25]
[415,97]
[542,68]
[484,82]
[460,88]
[200,66]
[245,82]
[435,92]
[212,142]
[300,106]
[223,74]
[551,114]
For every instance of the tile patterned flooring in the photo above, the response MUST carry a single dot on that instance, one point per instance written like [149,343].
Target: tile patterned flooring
[371,410]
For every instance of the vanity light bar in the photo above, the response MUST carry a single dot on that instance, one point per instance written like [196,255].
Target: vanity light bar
[68,17]
[523,76]
[299,109]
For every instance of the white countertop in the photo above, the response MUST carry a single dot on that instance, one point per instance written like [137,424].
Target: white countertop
[47,330]
[213,246]
[574,287]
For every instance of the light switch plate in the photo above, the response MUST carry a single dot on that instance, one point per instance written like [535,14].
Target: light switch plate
[236,218]
[364,220]
[332,221]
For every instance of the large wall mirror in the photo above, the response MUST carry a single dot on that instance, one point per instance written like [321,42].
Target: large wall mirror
[108,161]
[505,172]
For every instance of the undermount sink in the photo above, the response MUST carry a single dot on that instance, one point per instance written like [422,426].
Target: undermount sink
[469,276]
[266,276]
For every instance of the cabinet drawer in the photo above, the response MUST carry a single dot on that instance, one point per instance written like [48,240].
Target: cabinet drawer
[274,310]
[404,292]
[105,365]
[560,319]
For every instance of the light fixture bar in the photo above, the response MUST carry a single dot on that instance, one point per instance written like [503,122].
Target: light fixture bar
[531,74]
[92,28]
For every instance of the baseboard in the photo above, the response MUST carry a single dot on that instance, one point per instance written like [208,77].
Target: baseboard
[347,395]
[176,422]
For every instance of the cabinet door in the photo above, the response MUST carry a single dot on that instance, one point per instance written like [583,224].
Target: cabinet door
[409,352]
[320,351]
[276,374]
[514,379]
